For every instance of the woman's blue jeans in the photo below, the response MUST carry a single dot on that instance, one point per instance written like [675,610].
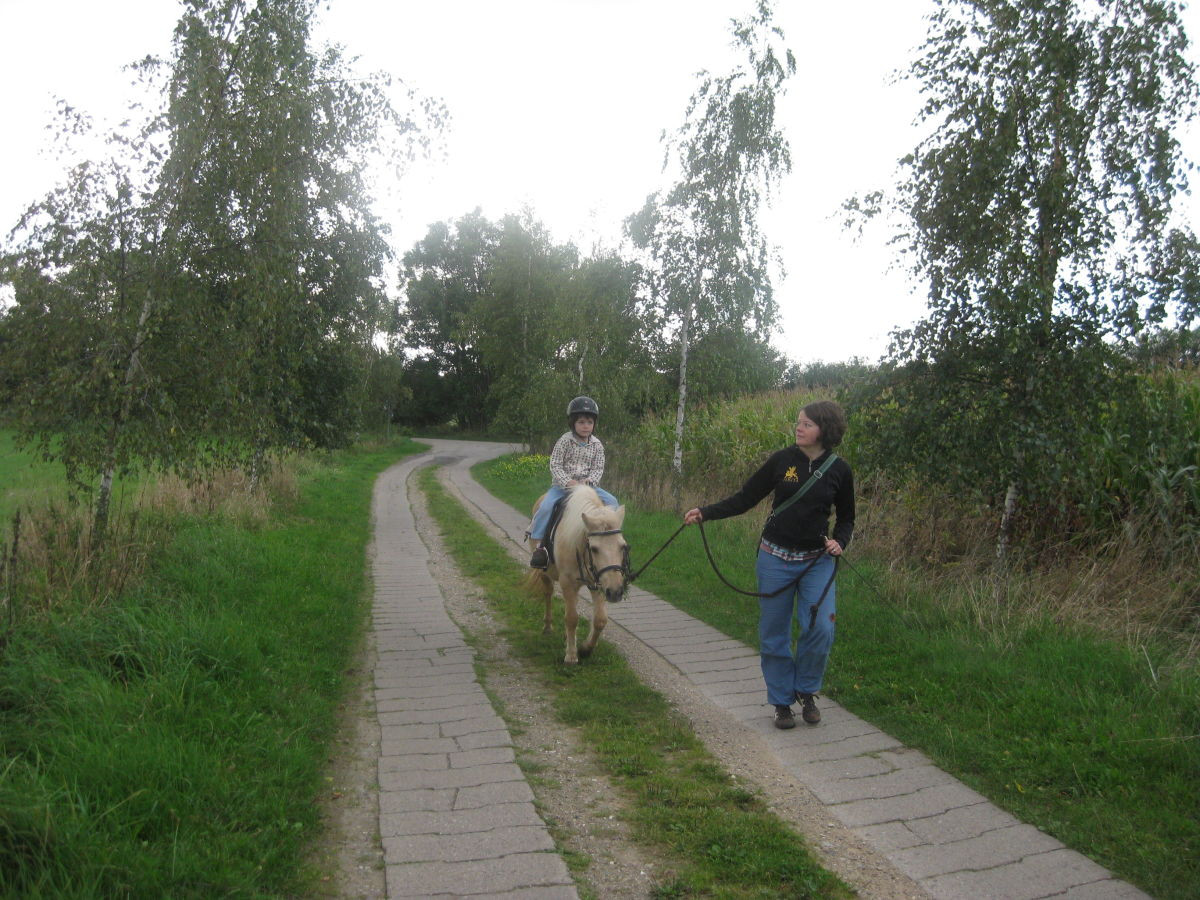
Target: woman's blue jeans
[802,670]
[541,518]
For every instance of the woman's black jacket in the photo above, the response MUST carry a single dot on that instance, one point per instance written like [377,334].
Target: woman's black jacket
[803,525]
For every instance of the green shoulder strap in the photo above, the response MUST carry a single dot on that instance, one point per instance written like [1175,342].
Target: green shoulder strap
[812,479]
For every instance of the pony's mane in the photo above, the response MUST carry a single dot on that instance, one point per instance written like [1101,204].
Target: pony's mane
[581,499]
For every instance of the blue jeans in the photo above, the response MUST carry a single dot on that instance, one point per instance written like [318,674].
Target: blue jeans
[787,672]
[541,518]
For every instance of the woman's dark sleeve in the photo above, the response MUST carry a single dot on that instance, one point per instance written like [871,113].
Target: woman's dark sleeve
[756,487]
[843,504]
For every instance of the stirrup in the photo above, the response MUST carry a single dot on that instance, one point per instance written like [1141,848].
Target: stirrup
[540,559]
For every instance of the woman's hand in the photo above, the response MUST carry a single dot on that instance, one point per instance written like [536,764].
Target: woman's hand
[832,547]
[692,516]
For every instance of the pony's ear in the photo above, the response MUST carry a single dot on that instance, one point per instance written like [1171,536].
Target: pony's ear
[591,520]
[620,514]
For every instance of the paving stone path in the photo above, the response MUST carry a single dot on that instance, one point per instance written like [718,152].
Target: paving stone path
[457,817]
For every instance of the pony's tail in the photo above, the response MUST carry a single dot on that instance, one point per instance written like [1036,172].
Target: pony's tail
[536,581]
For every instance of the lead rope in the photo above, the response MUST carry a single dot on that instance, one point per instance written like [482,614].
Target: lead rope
[713,563]
[837,560]
[655,556]
[789,586]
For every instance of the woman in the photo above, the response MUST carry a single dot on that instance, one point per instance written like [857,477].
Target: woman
[795,557]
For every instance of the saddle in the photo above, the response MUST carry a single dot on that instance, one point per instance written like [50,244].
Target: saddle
[552,527]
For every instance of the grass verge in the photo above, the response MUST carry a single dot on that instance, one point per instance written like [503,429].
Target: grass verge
[170,743]
[725,841]
[1079,735]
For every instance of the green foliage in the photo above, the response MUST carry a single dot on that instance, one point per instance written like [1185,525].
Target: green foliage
[510,325]
[827,376]
[1142,461]
[710,259]
[24,477]
[444,277]
[1135,459]
[212,288]
[1040,213]
[725,441]
[385,392]
[726,363]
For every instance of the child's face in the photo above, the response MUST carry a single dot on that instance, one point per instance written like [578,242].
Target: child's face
[584,426]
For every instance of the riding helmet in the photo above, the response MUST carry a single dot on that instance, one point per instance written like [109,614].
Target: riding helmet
[582,406]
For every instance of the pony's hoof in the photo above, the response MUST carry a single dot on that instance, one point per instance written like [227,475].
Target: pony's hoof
[570,661]
[546,629]
[585,652]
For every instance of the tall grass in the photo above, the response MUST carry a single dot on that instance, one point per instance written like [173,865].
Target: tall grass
[169,741]
[58,561]
[1136,580]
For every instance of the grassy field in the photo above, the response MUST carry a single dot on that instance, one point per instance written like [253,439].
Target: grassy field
[25,479]
[171,743]
[1093,741]
[722,839]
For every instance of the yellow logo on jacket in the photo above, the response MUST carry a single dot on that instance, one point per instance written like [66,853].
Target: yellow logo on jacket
[790,474]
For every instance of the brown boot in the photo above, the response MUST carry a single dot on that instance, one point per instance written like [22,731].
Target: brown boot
[784,717]
[808,711]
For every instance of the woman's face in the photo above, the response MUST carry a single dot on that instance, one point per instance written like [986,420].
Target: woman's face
[808,435]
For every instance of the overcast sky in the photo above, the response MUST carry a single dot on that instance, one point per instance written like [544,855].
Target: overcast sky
[559,105]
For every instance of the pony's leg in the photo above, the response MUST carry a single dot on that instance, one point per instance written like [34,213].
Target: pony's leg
[543,586]
[570,592]
[599,620]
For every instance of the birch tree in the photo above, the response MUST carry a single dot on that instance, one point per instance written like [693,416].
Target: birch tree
[1040,212]
[709,262]
[198,296]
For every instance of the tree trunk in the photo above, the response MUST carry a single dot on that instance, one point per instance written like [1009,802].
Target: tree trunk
[1006,520]
[1000,571]
[104,492]
[258,462]
[677,459]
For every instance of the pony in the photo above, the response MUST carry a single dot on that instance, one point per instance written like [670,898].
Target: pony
[589,551]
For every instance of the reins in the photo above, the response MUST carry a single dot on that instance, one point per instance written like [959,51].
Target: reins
[787,587]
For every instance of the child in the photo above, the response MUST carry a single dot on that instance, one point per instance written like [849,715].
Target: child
[577,458]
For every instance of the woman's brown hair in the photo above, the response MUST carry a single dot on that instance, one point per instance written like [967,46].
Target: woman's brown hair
[830,418]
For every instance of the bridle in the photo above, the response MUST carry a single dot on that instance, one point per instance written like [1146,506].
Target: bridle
[590,575]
